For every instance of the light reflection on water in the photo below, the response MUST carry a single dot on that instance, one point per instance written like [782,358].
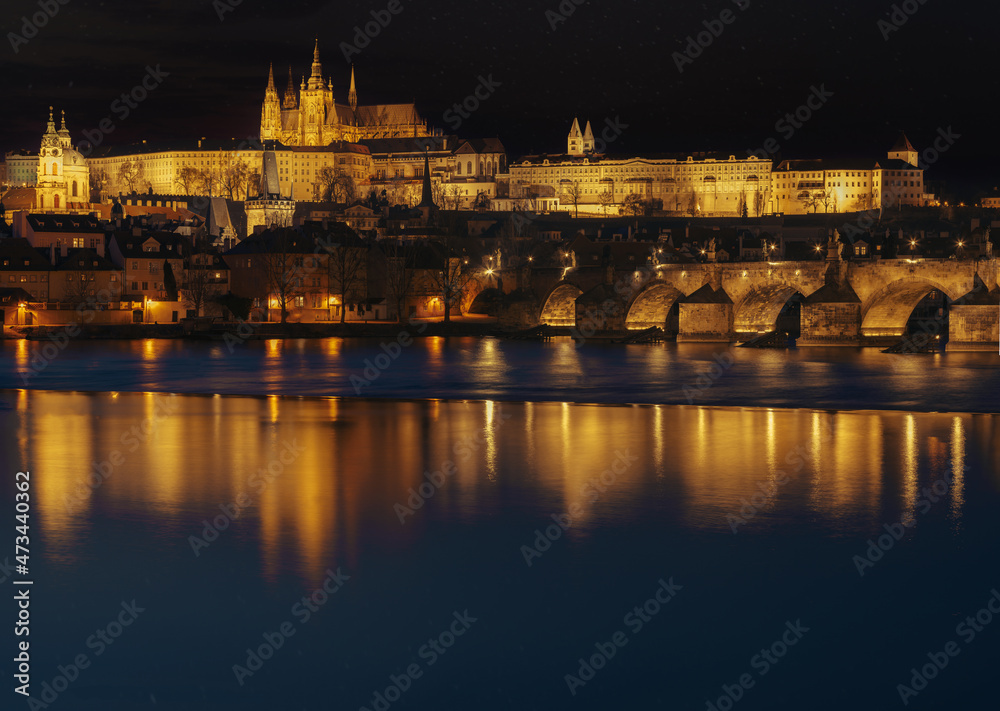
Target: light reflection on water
[321,480]
[183,456]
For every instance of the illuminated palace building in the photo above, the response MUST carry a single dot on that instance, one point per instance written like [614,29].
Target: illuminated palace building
[378,146]
[587,181]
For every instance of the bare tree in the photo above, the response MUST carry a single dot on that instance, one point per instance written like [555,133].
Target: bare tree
[200,284]
[399,257]
[187,179]
[606,199]
[454,192]
[336,185]
[281,266]
[453,273]
[132,175]
[233,178]
[347,268]
[573,194]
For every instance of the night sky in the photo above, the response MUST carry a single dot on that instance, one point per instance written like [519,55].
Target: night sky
[607,60]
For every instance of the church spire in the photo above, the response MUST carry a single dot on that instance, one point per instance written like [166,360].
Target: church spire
[290,101]
[270,79]
[427,196]
[352,97]
[316,78]
[51,127]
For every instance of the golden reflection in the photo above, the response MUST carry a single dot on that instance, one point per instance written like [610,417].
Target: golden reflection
[910,476]
[529,428]
[149,349]
[22,354]
[321,482]
[435,349]
[772,443]
[332,347]
[957,466]
[658,439]
[272,348]
[491,443]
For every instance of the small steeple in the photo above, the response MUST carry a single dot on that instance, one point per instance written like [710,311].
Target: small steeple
[270,79]
[588,139]
[352,96]
[63,127]
[427,194]
[51,127]
[290,101]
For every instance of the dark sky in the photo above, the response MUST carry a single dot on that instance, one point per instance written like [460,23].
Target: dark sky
[606,60]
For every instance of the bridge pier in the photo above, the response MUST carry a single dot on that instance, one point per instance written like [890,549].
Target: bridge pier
[974,324]
[831,316]
[706,316]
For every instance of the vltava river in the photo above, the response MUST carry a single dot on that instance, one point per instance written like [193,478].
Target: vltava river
[497,555]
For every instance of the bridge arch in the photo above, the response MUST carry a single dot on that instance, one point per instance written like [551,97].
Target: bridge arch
[559,307]
[887,311]
[759,310]
[656,305]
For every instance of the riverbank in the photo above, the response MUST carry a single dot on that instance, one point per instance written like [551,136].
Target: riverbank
[249,331]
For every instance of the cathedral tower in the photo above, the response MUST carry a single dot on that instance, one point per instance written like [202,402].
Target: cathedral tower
[270,118]
[574,142]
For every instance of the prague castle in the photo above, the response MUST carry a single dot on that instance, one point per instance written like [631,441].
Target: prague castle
[312,117]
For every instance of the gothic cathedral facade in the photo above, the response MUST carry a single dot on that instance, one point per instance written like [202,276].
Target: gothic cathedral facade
[312,117]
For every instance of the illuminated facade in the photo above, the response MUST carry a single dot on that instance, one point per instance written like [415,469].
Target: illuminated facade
[22,168]
[63,174]
[806,186]
[590,182]
[312,117]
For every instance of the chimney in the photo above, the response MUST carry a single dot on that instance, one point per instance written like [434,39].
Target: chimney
[52,253]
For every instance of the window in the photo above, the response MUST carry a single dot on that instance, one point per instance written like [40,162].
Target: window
[300,301]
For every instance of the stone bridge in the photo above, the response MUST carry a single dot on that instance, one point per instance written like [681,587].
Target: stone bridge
[842,302]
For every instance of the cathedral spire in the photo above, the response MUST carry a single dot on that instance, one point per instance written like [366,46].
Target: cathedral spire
[316,78]
[270,79]
[352,97]
[290,101]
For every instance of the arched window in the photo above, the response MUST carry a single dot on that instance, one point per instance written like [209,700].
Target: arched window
[460,167]
[74,189]
[55,201]
[55,169]
[468,167]
[41,201]
[481,167]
